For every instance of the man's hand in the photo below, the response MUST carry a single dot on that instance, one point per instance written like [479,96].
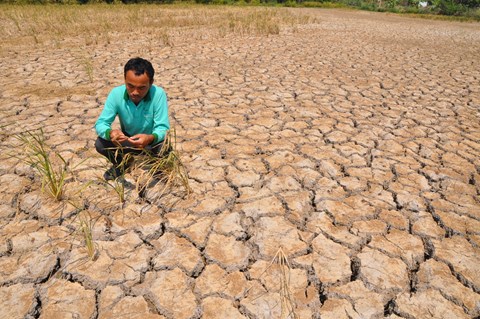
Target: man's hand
[117,136]
[141,140]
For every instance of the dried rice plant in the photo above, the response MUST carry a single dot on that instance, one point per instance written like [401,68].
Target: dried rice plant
[118,185]
[51,166]
[166,167]
[86,224]
[287,302]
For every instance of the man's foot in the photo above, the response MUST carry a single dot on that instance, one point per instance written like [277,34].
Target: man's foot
[113,173]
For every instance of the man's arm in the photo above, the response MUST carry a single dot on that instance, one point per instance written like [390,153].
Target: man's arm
[161,123]
[103,126]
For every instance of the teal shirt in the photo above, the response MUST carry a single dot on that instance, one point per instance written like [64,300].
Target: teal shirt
[150,116]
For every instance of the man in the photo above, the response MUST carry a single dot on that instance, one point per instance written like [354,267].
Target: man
[142,110]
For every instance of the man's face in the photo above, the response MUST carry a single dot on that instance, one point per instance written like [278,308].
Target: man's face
[137,86]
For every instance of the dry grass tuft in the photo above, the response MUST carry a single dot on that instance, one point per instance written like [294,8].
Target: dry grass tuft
[167,167]
[50,165]
[279,266]
[286,300]
[86,224]
[118,186]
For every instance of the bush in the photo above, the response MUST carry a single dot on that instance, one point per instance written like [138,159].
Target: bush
[391,3]
[368,6]
[322,4]
[450,8]
[469,3]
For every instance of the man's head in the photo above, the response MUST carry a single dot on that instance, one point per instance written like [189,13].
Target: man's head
[139,75]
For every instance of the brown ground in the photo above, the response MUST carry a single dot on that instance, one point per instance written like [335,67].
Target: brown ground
[351,141]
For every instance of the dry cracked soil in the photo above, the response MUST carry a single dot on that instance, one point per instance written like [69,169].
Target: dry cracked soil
[350,143]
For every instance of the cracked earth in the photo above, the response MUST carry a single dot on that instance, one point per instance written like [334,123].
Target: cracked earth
[352,142]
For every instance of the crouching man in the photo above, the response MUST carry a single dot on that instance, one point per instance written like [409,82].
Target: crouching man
[142,110]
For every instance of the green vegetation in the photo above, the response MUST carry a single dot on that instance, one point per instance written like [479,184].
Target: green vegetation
[460,8]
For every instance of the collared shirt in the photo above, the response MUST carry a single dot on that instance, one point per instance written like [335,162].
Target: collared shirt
[150,116]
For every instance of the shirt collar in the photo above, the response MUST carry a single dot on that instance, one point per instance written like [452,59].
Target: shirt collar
[146,98]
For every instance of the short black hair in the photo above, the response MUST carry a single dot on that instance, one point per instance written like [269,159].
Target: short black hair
[139,66]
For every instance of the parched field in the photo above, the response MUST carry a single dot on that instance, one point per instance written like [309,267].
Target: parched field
[334,158]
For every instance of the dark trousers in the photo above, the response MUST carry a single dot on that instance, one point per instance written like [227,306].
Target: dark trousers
[115,154]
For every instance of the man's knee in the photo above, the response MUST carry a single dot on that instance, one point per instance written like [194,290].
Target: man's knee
[101,145]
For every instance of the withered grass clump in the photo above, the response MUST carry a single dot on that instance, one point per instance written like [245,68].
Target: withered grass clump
[262,22]
[82,228]
[166,168]
[86,229]
[279,267]
[50,165]
[286,300]
[118,186]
